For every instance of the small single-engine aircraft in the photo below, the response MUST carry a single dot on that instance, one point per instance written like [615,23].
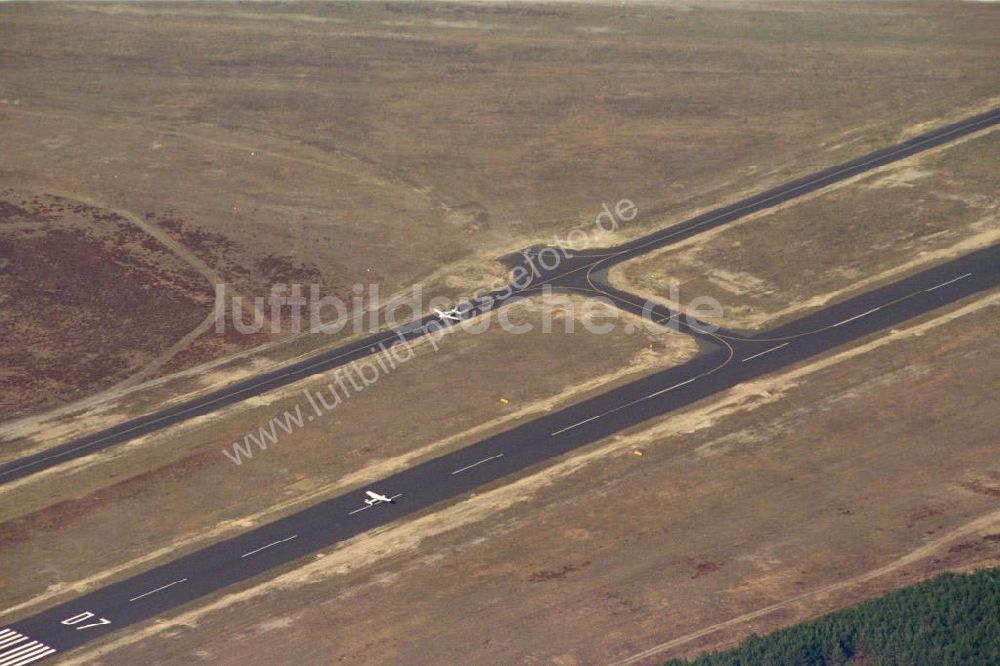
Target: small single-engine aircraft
[375,498]
[454,314]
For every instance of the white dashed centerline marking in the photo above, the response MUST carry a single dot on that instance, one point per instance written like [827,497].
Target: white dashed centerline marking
[162,587]
[273,543]
[484,460]
[612,411]
[945,284]
[766,351]
[14,651]
[668,389]
[863,314]
[580,423]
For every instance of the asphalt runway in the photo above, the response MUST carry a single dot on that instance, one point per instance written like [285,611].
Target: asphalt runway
[585,270]
[456,475]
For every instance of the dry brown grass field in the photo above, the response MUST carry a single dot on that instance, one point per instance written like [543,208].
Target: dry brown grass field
[150,150]
[779,265]
[395,143]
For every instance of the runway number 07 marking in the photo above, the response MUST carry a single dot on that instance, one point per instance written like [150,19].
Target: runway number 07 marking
[83,617]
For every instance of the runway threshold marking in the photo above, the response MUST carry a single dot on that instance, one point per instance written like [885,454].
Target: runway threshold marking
[945,284]
[14,651]
[766,351]
[863,314]
[476,464]
[273,543]
[9,637]
[162,587]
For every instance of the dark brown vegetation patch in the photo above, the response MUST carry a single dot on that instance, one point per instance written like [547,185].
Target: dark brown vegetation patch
[86,299]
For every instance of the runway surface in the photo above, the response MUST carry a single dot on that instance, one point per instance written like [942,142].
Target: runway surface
[584,270]
[456,475]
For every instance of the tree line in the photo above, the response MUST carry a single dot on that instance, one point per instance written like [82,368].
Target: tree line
[953,619]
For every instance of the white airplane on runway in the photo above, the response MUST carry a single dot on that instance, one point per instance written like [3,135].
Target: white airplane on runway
[454,314]
[375,498]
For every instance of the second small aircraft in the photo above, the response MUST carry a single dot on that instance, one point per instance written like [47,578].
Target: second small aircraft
[454,314]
